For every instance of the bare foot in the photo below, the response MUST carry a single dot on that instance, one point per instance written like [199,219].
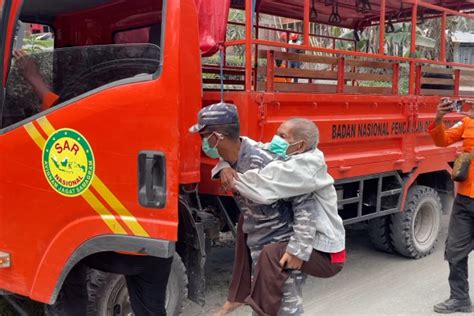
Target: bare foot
[227,308]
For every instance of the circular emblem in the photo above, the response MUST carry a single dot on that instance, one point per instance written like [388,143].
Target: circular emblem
[68,162]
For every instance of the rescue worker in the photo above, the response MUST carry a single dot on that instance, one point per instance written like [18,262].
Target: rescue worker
[294,40]
[218,125]
[305,172]
[460,240]
[279,63]
[30,72]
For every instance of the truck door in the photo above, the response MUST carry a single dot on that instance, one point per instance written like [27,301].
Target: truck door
[88,139]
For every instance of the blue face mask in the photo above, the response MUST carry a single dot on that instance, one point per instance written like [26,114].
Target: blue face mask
[210,152]
[279,146]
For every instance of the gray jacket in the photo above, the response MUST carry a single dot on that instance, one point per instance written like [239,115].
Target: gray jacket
[263,223]
[304,175]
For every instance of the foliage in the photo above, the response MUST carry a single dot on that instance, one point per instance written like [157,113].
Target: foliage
[396,42]
[230,60]
[32,44]
[236,32]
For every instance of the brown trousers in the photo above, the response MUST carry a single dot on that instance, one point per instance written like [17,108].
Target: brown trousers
[264,292]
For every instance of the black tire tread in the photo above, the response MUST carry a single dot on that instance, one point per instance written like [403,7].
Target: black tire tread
[379,233]
[401,223]
[98,280]
[181,271]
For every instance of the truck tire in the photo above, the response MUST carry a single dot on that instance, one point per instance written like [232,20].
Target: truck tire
[108,295]
[414,232]
[379,233]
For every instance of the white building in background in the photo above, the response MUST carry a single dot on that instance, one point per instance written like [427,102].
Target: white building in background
[463,43]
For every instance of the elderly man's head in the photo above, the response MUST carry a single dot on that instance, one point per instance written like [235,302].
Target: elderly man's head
[301,134]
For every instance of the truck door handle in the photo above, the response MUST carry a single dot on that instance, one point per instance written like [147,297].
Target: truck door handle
[152,179]
[150,195]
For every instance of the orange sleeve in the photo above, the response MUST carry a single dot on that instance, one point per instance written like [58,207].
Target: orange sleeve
[443,137]
[49,100]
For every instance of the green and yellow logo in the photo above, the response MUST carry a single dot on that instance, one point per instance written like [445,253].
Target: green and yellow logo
[68,162]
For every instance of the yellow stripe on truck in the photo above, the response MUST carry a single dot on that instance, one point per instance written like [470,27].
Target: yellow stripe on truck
[126,216]
[46,125]
[35,135]
[118,207]
[88,196]
[106,216]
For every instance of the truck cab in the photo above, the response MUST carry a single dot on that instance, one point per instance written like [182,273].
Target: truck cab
[93,121]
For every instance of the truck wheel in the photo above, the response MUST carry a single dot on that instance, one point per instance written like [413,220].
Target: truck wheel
[379,233]
[108,295]
[415,231]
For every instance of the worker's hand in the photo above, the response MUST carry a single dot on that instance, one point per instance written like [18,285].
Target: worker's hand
[289,261]
[469,113]
[444,108]
[26,65]
[228,175]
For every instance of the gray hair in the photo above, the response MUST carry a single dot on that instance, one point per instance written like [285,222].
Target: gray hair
[305,130]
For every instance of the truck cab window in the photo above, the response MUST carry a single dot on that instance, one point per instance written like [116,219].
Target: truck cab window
[31,60]
[47,71]
[150,34]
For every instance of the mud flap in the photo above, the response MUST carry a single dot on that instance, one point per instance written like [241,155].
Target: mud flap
[194,245]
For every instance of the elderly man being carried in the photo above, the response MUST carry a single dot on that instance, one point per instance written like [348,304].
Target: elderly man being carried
[300,173]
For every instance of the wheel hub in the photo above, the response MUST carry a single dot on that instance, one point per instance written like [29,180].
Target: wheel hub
[424,223]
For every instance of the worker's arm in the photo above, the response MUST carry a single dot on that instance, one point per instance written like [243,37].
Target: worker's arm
[30,72]
[443,137]
[48,100]
[221,165]
[285,179]
[305,211]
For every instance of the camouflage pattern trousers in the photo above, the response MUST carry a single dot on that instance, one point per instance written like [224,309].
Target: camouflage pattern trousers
[259,281]
[292,300]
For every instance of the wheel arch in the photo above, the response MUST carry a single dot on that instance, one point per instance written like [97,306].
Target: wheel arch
[152,247]
[407,238]
[440,180]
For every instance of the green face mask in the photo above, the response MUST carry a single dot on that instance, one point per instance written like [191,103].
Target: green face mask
[279,146]
[210,152]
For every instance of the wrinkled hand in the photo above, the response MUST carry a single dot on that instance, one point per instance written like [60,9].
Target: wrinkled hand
[469,113]
[289,261]
[26,65]
[228,175]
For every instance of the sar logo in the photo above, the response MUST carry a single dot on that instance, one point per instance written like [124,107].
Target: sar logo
[68,162]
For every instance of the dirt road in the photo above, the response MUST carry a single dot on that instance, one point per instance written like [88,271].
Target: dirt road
[372,283]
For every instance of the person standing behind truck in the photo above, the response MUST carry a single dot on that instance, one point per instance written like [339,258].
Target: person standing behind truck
[294,40]
[460,240]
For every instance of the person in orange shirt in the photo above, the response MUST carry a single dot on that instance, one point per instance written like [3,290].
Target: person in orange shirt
[279,63]
[460,240]
[30,72]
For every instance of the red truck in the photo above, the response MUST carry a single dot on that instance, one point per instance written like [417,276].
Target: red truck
[111,166]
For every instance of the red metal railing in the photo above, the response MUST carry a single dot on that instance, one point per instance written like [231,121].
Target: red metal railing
[414,84]
[288,32]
